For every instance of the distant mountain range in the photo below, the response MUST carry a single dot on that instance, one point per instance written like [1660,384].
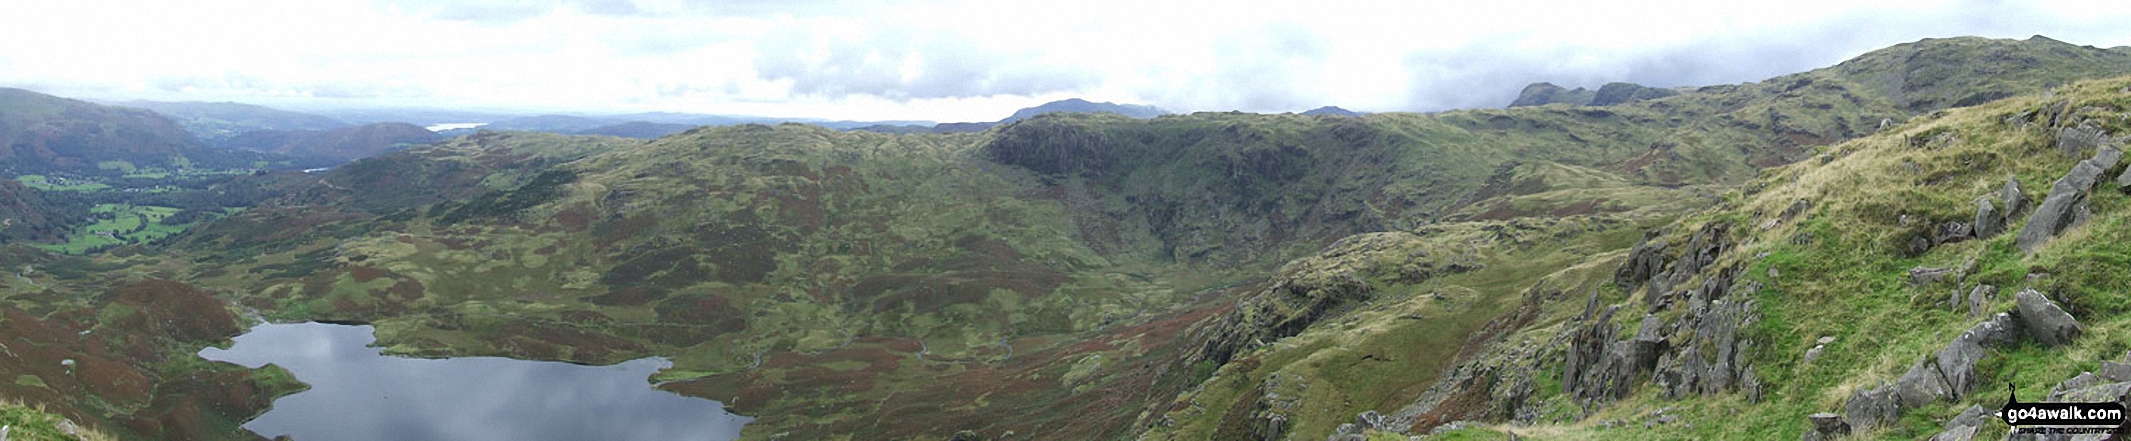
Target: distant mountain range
[216,121]
[1330,111]
[41,133]
[1070,105]
[334,146]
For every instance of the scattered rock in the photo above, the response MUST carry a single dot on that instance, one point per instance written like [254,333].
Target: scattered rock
[1978,297]
[2106,156]
[1960,433]
[1974,415]
[2115,371]
[1955,364]
[2082,177]
[1988,222]
[1369,419]
[2077,140]
[1814,353]
[1644,262]
[1868,408]
[1826,426]
[2082,381]
[2123,181]
[1951,232]
[2002,329]
[2044,321]
[1921,276]
[1826,340]
[2100,393]
[1921,385]
[2056,211]
[1797,208]
[2014,199]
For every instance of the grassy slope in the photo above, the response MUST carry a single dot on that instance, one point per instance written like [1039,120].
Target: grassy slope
[1845,284]
[850,283]
[1836,272]
[1785,114]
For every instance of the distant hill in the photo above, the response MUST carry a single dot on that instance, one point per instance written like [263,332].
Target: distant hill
[1330,111]
[551,123]
[416,116]
[217,121]
[1077,105]
[639,129]
[42,133]
[1921,76]
[338,145]
[1540,94]
[1940,73]
[1071,105]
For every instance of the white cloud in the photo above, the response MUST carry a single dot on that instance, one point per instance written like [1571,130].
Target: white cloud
[957,60]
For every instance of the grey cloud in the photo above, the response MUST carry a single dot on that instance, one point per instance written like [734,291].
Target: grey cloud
[945,65]
[1262,69]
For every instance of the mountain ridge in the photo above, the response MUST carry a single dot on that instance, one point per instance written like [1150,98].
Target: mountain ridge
[1208,275]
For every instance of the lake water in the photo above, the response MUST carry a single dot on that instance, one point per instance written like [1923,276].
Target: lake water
[439,127]
[359,394]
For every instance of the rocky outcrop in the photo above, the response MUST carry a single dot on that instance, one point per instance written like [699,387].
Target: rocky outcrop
[1644,262]
[1870,408]
[1621,93]
[1600,368]
[1949,373]
[2115,371]
[1988,222]
[1976,299]
[2123,181]
[1699,352]
[1826,426]
[2078,140]
[1921,276]
[2068,194]
[1540,94]
[2013,197]
[1963,427]
[2044,321]
[1710,359]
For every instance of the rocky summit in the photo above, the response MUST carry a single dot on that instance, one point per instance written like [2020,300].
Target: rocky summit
[1864,251]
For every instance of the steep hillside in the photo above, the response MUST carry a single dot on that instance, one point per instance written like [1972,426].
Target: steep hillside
[1796,294]
[25,216]
[213,122]
[333,146]
[43,134]
[1212,275]
[1954,72]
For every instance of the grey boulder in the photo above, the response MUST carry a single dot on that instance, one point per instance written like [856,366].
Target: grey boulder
[2044,321]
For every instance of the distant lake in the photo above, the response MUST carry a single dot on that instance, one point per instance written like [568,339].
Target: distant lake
[439,127]
[357,393]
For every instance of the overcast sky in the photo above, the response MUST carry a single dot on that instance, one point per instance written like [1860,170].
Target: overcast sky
[957,60]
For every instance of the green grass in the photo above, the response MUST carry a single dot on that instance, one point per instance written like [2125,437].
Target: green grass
[43,183]
[119,224]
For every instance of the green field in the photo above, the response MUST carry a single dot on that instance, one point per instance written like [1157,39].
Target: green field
[119,224]
[42,183]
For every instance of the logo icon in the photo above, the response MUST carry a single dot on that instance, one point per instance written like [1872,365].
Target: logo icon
[2016,413]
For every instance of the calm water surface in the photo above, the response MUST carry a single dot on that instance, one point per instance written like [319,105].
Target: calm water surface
[359,394]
